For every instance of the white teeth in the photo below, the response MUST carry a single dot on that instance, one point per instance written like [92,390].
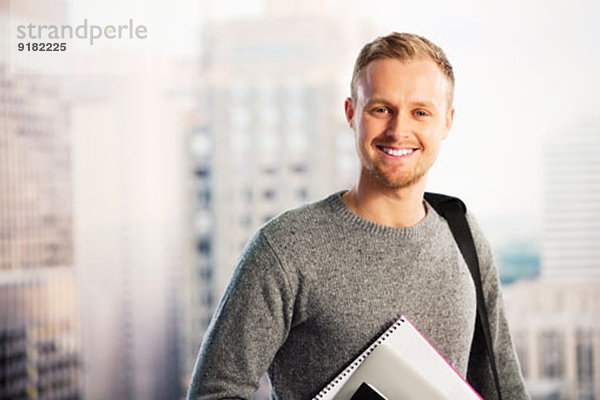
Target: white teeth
[396,153]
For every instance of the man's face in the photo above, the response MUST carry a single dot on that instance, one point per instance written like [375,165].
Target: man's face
[400,116]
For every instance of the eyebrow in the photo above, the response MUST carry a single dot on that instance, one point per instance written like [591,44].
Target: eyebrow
[379,100]
[426,104]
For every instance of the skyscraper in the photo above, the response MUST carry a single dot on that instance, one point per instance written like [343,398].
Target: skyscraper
[273,134]
[130,239]
[40,342]
[571,229]
[555,319]
[278,137]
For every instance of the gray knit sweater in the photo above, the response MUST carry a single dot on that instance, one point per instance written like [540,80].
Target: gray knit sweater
[317,284]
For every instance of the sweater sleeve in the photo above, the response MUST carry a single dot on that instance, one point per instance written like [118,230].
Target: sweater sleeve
[249,325]
[509,372]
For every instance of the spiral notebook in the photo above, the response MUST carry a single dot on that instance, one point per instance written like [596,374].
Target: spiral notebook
[400,364]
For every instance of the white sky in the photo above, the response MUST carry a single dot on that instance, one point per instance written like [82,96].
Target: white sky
[525,70]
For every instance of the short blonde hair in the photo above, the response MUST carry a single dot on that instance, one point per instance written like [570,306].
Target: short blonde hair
[403,47]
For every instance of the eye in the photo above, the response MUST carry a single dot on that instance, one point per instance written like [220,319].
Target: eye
[421,113]
[380,110]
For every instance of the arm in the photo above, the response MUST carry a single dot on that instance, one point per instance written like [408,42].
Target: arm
[248,327]
[511,380]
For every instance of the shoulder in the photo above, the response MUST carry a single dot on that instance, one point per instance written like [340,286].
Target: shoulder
[287,244]
[485,254]
[484,249]
[476,230]
[478,236]
[302,234]
[307,219]
[482,245]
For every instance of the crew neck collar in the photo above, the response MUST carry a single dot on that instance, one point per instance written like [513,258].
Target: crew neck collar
[424,227]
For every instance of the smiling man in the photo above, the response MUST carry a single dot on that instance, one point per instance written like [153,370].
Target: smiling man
[400,112]
[317,284]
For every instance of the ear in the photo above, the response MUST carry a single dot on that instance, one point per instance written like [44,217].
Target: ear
[448,123]
[349,110]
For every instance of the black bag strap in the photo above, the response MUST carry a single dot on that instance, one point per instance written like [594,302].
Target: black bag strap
[453,210]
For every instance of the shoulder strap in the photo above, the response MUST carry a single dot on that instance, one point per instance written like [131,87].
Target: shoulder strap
[453,210]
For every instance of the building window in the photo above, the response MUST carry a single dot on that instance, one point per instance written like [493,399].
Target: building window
[298,168]
[269,194]
[585,364]
[246,195]
[269,169]
[204,246]
[201,144]
[202,223]
[203,197]
[302,193]
[206,272]
[202,171]
[552,358]
[208,298]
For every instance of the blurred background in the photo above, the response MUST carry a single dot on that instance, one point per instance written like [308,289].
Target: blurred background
[133,171]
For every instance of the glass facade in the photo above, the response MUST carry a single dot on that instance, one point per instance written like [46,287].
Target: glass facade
[40,329]
[40,356]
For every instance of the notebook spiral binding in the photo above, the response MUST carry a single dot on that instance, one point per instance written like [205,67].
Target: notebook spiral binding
[341,377]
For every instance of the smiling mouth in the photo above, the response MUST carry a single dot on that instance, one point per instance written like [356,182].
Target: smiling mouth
[396,152]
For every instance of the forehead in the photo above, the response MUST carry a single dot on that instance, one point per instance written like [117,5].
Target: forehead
[394,79]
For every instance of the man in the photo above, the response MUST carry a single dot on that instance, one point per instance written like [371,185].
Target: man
[317,284]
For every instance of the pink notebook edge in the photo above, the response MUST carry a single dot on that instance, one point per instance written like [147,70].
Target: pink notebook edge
[441,356]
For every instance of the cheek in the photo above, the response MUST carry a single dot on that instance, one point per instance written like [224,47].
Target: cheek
[360,131]
[369,128]
[365,136]
[362,144]
[435,142]
[436,133]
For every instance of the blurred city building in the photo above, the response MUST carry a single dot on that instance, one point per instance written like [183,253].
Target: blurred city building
[571,234]
[93,219]
[278,139]
[197,286]
[272,134]
[556,331]
[131,232]
[40,334]
[556,319]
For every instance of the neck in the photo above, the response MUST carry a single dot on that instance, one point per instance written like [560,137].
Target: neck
[395,207]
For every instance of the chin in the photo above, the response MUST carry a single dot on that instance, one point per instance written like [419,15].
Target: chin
[398,182]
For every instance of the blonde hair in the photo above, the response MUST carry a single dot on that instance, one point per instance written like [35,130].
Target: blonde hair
[403,47]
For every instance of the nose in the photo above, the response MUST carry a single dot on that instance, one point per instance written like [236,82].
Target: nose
[399,126]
